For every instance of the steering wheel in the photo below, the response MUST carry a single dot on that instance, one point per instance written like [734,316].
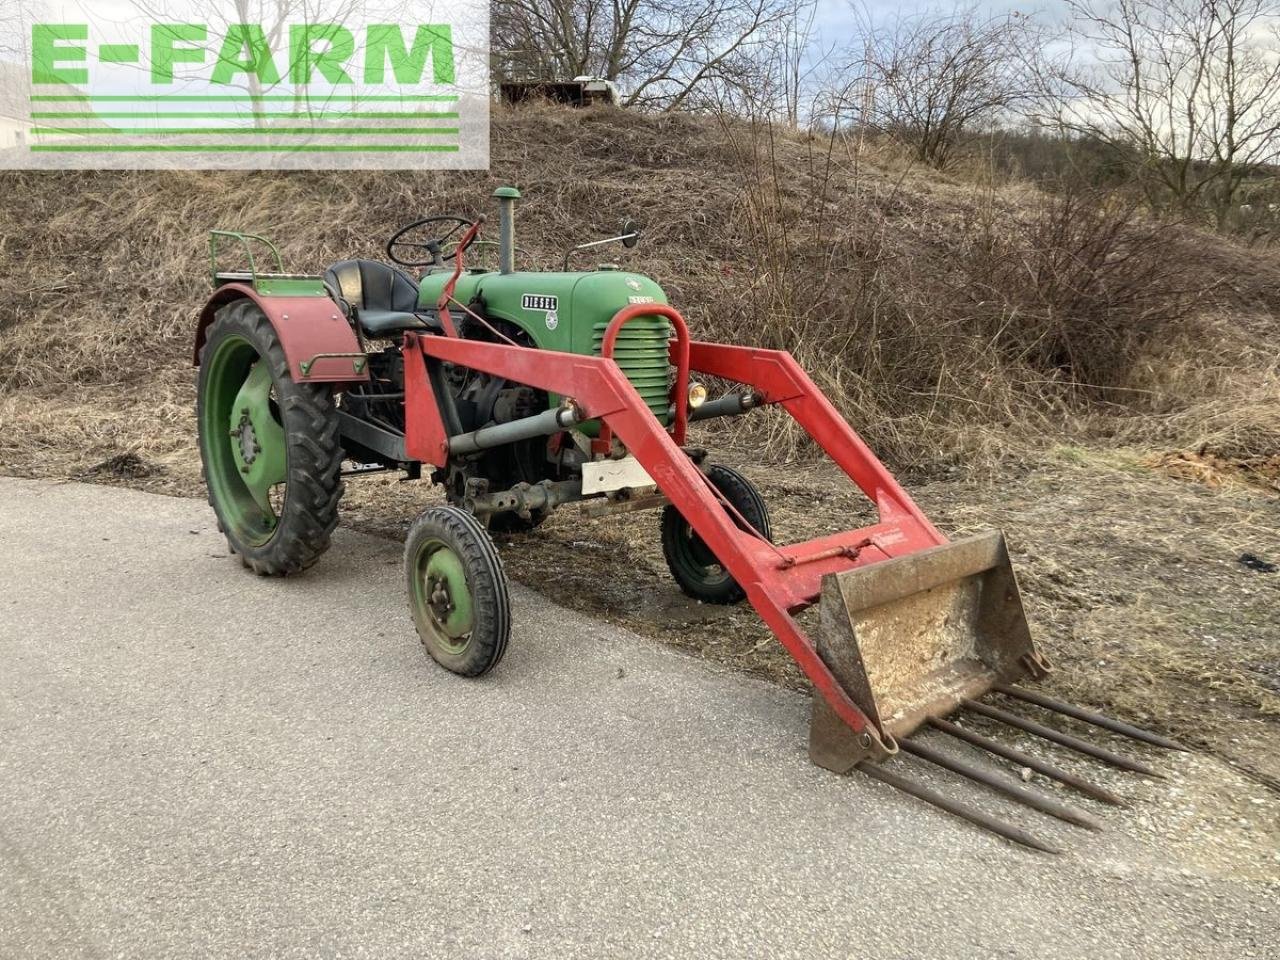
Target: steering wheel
[432,245]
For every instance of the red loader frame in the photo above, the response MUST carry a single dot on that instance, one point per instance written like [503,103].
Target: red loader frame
[779,581]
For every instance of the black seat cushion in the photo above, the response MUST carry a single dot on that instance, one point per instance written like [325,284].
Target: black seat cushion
[385,299]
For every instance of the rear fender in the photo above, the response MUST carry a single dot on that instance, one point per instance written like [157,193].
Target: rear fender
[318,342]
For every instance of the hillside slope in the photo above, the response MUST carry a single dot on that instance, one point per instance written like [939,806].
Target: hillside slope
[951,320]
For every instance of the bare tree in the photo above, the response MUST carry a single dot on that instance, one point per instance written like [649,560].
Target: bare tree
[16,18]
[1186,92]
[663,53]
[256,29]
[776,77]
[937,79]
[791,62]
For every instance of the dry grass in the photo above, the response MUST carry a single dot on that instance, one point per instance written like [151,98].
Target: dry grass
[956,323]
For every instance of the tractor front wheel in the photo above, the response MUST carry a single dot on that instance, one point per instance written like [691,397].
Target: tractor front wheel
[269,446]
[457,591]
[696,569]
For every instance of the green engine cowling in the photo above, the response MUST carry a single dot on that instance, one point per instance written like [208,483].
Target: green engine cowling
[570,312]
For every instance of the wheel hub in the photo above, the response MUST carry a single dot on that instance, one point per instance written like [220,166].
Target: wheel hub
[247,438]
[443,594]
[438,598]
[243,441]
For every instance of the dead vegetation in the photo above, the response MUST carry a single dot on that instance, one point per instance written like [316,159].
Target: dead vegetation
[968,329]
[954,321]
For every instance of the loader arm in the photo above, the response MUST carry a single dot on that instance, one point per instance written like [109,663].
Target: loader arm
[778,378]
[778,581]
[911,627]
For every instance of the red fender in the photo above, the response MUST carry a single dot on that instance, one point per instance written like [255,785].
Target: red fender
[318,342]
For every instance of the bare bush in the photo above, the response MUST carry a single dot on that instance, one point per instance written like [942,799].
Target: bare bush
[1186,92]
[928,319]
[1079,292]
[937,79]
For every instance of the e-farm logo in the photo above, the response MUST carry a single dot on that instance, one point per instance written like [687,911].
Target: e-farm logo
[133,84]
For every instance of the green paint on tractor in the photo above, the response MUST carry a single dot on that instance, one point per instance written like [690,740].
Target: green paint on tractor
[242,443]
[570,312]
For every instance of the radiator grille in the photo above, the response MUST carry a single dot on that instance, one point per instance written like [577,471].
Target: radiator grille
[641,351]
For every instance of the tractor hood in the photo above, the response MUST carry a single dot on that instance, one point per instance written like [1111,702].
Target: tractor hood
[559,311]
[570,312]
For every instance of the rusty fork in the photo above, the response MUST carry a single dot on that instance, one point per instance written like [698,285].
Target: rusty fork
[1010,788]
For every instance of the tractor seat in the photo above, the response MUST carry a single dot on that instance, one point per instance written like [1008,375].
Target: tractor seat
[385,300]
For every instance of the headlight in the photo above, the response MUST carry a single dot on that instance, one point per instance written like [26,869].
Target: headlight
[697,395]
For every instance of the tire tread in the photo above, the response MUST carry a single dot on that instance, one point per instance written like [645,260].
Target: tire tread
[486,578]
[746,499]
[313,484]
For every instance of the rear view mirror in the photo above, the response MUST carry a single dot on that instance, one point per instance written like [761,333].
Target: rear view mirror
[630,233]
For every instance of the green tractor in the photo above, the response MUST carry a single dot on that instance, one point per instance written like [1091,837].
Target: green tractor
[522,392]
[281,412]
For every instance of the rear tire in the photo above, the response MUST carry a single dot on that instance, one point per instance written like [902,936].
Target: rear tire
[457,591]
[691,562]
[269,446]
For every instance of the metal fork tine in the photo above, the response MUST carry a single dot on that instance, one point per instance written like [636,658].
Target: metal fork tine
[1002,784]
[1026,760]
[984,820]
[1057,736]
[1089,716]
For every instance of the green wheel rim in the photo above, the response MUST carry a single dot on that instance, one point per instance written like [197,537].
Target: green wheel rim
[245,452]
[442,600]
[696,560]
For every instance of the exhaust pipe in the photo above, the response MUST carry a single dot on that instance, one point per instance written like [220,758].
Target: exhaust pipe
[507,197]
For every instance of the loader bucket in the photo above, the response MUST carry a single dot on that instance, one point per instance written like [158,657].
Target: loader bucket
[911,638]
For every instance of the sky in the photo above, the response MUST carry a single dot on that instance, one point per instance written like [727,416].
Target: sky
[838,16]
[837,21]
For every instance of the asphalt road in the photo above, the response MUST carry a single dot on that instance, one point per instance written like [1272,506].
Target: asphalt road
[195,762]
